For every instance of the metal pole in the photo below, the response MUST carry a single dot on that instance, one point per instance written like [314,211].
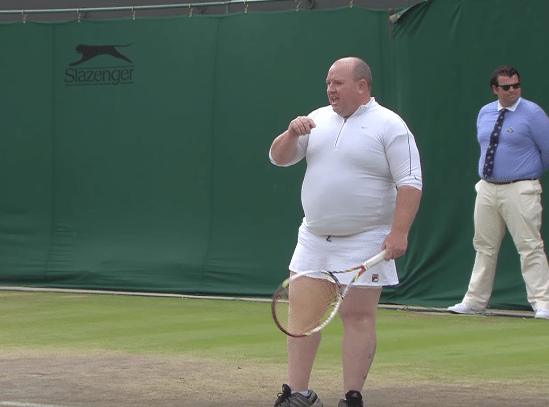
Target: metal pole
[134,8]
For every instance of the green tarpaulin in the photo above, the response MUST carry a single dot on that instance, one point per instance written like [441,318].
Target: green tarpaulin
[134,153]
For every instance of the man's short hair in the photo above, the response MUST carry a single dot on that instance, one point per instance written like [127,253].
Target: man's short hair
[504,70]
[361,70]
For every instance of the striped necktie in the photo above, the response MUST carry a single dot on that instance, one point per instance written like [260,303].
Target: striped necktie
[491,152]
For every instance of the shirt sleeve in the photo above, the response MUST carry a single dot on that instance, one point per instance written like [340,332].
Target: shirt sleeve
[539,126]
[403,156]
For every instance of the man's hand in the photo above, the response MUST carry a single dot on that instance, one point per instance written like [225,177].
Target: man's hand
[396,244]
[300,126]
[283,149]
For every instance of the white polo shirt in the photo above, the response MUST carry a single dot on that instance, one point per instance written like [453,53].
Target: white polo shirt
[354,166]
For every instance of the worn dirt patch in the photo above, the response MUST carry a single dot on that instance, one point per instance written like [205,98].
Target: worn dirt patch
[105,379]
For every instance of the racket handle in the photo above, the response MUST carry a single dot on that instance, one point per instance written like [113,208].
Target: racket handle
[374,260]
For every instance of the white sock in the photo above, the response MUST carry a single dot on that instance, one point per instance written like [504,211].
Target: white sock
[305,393]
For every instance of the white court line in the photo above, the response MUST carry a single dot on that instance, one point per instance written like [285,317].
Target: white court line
[490,312]
[129,293]
[16,404]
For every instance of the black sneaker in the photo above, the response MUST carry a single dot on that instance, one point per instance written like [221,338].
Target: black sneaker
[287,399]
[353,398]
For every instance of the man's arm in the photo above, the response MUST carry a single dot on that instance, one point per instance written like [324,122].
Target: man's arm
[284,147]
[539,125]
[407,204]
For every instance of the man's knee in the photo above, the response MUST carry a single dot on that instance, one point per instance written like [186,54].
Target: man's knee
[358,317]
[530,245]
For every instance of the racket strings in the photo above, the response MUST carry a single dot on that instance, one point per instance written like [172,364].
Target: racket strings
[305,304]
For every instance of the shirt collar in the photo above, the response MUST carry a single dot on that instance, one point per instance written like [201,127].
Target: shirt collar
[370,103]
[512,108]
[363,108]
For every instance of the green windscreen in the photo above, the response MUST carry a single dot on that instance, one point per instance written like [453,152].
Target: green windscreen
[134,153]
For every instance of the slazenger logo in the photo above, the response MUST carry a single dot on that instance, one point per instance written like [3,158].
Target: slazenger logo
[108,75]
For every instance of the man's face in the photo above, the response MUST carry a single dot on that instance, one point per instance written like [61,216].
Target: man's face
[344,94]
[510,96]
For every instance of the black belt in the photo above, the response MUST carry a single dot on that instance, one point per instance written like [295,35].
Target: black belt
[511,182]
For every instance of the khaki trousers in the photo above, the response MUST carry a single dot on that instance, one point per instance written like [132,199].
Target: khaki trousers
[517,206]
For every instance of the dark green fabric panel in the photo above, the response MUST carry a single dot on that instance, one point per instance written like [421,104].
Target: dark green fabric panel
[128,164]
[140,204]
[25,150]
[446,51]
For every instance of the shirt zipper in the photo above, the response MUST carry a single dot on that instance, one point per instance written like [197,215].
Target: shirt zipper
[340,130]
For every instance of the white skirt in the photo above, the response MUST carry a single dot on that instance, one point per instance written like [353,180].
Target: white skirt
[337,253]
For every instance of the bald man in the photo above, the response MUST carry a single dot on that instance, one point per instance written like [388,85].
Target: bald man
[360,195]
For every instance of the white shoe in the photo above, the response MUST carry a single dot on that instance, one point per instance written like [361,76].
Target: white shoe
[542,313]
[461,308]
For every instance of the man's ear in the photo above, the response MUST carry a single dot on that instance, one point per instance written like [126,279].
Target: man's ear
[363,86]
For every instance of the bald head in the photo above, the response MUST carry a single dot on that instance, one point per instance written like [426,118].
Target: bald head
[348,85]
[359,68]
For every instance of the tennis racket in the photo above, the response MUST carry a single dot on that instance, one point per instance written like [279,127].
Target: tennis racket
[306,302]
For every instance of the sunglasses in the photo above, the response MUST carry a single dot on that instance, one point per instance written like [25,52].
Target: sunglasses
[507,87]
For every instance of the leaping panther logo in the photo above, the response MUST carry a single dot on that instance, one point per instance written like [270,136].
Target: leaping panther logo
[91,51]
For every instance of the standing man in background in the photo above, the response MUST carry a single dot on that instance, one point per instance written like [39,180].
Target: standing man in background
[360,194]
[513,134]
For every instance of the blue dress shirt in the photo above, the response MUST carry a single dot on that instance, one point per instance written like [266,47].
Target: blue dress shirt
[523,147]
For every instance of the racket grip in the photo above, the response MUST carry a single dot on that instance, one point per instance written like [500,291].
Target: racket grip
[374,260]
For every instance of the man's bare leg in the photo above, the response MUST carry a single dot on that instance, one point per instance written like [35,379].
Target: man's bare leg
[358,314]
